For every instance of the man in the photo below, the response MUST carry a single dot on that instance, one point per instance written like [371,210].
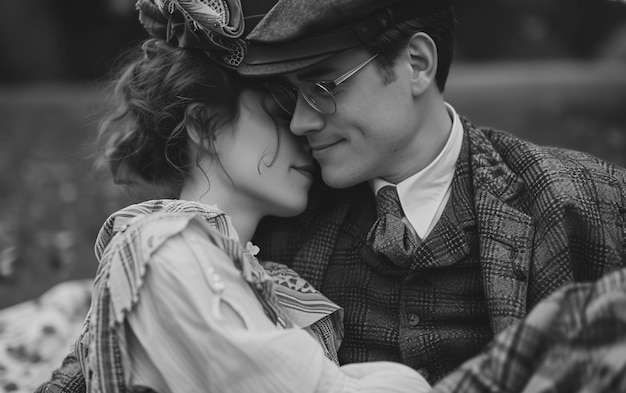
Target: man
[486,226]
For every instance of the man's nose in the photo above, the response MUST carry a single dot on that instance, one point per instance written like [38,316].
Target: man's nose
[305,119]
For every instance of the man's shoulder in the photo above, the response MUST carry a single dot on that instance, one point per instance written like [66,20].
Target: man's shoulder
[532,161]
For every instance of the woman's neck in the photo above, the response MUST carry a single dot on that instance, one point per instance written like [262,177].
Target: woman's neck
[245,225]
[243,217]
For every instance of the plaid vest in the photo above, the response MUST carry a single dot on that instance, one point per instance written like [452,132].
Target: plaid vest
[432,315]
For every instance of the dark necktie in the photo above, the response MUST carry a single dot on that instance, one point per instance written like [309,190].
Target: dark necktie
[390,236]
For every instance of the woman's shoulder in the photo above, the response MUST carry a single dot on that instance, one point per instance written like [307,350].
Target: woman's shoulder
[159,237]
[138,240]
[144,223]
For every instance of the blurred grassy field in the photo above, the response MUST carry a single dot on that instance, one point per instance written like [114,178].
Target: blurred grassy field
[52,203]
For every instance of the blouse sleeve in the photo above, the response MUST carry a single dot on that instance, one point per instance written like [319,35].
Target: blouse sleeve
[198,327]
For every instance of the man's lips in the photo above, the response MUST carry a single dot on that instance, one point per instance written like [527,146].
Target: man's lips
[322,147]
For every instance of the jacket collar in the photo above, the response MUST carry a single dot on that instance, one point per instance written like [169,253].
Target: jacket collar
[505,231]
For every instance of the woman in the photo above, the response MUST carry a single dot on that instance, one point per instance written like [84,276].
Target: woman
[180,303]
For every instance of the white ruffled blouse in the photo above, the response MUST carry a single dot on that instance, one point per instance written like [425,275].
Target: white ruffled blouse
[197,326]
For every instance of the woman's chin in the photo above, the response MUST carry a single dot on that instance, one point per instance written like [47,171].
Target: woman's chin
[292,209]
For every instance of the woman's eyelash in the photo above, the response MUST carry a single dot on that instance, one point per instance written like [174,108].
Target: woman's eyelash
[276,111]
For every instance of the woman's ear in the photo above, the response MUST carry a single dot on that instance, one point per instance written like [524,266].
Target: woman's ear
[196,137]
[422,52]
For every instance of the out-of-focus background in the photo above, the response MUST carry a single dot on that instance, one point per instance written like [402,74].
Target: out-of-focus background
[551,71]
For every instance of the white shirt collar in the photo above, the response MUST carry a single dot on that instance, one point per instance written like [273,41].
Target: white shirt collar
[423,195]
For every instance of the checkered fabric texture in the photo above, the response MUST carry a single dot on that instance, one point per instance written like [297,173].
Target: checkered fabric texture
[390,236]
[66,379]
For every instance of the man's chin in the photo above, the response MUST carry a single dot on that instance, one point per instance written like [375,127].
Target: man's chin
[338,180]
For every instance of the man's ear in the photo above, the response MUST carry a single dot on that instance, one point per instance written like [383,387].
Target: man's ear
[422,52]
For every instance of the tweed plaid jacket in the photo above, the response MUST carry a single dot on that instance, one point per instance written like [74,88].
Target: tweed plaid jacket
[545,217]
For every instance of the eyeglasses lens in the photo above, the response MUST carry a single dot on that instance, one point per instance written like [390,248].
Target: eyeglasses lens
[315,93]
[319,97]
[285,97]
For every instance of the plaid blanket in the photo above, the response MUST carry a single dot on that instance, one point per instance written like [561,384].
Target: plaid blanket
[574,341]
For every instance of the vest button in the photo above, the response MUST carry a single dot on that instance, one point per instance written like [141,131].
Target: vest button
[423,372]
[414,320]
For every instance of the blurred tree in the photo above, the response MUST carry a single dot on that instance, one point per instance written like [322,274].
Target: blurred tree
[536,29]
[30,42]
[46,40]
[95,32]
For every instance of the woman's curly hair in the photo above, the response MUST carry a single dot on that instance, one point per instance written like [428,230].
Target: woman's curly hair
[161,93]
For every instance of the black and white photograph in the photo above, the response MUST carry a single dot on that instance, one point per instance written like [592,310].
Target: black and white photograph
[313,196]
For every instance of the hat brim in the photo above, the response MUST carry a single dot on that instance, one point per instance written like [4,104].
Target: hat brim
[274,69]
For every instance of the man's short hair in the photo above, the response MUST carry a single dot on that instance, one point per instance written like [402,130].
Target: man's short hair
[439,26]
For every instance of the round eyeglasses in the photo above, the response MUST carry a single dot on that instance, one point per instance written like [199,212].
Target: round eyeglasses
[317,93]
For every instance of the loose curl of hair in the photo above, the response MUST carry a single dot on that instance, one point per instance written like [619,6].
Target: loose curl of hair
[161,93]
[439,26]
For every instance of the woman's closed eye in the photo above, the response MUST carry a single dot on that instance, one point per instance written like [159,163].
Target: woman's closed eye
[273,109]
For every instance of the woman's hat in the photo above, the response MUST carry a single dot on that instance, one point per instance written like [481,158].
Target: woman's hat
[215,27]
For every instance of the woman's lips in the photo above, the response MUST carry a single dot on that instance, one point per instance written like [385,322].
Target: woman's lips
[306,170]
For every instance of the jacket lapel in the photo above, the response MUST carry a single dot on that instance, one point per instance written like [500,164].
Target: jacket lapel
[332,229]
[505,232]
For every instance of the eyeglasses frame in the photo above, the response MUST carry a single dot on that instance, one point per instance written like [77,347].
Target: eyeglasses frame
[325,85]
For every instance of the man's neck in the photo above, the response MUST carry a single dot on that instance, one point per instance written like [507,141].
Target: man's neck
[432,133]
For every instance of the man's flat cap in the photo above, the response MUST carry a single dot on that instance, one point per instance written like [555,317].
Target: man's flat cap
[299,33]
